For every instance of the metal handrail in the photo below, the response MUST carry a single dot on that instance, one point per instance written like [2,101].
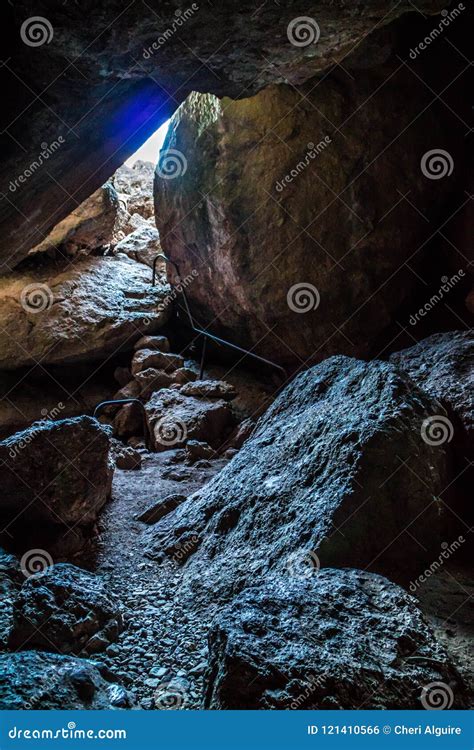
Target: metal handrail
[112,402]
[205,334]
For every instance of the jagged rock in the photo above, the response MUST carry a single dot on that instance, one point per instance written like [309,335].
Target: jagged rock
[443,365]
[142,245]
[63,608]
[145,358]
[340,460]
[196,450]
[128,421]
[76,312]
[241,434]
[39,680]
[10,579]
[125,457]
[184,375]
[131,390]
[174,419]
[210,389]
[331,275]
[154,343]
[161,508]
[135,186]
[91,225]
[341,639]
[55,472]
[151,380]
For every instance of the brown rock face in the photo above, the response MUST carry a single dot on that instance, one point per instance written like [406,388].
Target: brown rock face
[113,73]
[62,313]
[293,222]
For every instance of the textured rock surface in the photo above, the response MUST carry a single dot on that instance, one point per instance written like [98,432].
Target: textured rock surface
[341,639]
[210,389]
[443,365]
[55,472]
[10,579]
[38,680]
[112,95]
[80,312]
[173,419]
[135,186]
[89,226]
[142,245]
[65,609]
[330,275]
[337,466]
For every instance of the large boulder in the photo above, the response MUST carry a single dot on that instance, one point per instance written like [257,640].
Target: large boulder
[55,473]
[443,365]
[32,680]
[342,639]
[295,240]
[10,580]
[65,609]
[63,313]
[336,473]
[91,225]
[142,245]
[173,419]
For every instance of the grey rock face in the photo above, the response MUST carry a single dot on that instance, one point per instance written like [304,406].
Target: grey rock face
[66,609]
[339,639]
[64,469]
[39,680]
[443,365]
[337,467]
[10,580]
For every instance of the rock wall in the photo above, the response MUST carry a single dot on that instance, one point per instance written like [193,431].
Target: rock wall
[302,212]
